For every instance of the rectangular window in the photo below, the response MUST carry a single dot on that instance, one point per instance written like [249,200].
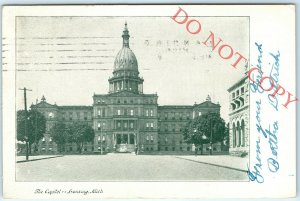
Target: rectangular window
[147,125]
[242,90]
[99,126]
[131,125]
[199,114]
[119,112]
[103,112]
[151,138]
[151,125]
[147,138]
[131,112]
[147,113]
[151,113]
[125,124]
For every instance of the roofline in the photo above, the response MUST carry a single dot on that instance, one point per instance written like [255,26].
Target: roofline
[237,83]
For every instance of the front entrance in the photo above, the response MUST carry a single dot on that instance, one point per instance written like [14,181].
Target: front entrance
[125,142]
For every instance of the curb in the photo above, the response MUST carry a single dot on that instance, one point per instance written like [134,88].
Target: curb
[222,166]
[37,159]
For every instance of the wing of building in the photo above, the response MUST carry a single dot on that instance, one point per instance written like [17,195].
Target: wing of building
[239,117]
[126,118]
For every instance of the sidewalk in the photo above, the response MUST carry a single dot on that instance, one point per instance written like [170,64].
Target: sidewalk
[21,159]
[230,162]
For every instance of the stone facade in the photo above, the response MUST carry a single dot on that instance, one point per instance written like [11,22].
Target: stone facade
[126,118]
[239,117]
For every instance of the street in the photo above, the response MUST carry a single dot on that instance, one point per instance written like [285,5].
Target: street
[128,167]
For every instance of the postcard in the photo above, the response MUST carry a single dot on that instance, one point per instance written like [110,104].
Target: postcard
[149,101]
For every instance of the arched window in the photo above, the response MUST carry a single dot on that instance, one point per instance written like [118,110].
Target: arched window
[243,132]
[238,134]
[233,135]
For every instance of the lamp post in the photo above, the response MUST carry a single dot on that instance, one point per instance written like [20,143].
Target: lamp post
[101,139]
[194,133]
[210,150]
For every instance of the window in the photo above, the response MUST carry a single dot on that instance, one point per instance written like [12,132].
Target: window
[119,101]
[199,114]
[242,90]
[151,125]
[147,138]
[125,101]
[85,115]
[78,115]
[151,138]
[50,139]
[147,125]
[103,112]
[99,126]
[119,125]
[233,95]
[99,112]
[119,112]
[125,124]
[237,93]
[131,125]
[131,112]
[99,138]
[151,101]
[51,115]
[151,113]
[147,113]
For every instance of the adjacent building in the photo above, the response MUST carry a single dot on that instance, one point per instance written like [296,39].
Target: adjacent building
[239,117]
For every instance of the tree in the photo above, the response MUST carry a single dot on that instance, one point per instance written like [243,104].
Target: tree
[209,127]
[35,126]
[81,133]
[60,134]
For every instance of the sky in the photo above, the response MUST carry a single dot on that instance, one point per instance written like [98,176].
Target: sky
[68,59]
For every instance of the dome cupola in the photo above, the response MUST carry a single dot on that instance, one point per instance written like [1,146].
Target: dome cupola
[126,73]
[125,58]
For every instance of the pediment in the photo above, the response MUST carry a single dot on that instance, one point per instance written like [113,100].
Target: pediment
[208,104]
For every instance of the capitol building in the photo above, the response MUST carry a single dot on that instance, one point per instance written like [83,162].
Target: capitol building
[126,118]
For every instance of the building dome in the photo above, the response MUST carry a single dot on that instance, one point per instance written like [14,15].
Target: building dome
[125,60]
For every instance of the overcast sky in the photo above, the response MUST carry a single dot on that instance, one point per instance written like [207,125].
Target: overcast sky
[68,59]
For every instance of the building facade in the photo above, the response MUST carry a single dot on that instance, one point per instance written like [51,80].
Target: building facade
[239,117]
[126,118]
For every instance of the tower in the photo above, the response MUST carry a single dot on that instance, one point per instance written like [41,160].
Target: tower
[126,74]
